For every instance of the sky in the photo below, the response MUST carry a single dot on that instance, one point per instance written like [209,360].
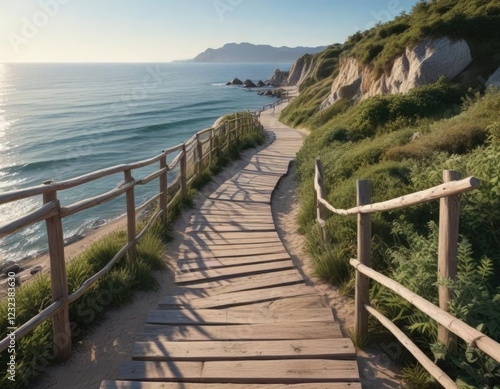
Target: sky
[167,30]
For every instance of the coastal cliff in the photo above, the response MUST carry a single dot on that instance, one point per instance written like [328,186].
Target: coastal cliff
[298,73]
[420,65]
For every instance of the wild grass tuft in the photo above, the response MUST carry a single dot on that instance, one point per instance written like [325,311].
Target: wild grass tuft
[416,377]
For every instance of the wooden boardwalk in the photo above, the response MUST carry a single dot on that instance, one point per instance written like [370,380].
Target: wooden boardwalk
[245,318]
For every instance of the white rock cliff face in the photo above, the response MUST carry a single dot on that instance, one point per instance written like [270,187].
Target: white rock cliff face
[420,65]
[301,69]
[494,80]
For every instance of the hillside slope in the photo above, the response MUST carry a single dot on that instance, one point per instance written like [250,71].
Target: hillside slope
[402,139]
[438,38]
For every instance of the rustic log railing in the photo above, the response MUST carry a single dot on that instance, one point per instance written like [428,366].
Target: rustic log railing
[448,326]
[192,158]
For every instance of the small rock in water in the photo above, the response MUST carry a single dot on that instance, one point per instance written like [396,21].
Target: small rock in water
[236,81]
[249,84]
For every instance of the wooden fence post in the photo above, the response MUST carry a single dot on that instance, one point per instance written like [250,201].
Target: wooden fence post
[199,154]
[449,214]
[211,145]
[163,189]
[362,293]
[130,215]
[183,171]
[236,126]
[321,212]
[58,281]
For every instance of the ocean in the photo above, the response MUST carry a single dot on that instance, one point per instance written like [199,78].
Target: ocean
[58,121]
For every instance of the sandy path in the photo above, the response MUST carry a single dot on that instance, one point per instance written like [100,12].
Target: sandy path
[375,368]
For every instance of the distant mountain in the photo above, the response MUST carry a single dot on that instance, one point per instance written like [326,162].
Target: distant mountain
[247,52]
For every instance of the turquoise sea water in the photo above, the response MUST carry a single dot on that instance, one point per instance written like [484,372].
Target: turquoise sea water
[59,121]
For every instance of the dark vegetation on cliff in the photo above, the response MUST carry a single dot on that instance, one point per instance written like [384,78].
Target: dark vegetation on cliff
[402,143]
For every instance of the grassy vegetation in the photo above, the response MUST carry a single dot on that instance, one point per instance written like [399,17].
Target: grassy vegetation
[473,20]
[402,143]
[364,142]
[34,352]
[401,161]
[476,21]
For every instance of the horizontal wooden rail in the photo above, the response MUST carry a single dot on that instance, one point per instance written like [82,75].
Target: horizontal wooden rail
[50,186]
[146,180]
[176,160]
[35,321]
[419,355]
[470,335]
[444,190]
[45,212]
[52,212]
[96,200]
[92,280]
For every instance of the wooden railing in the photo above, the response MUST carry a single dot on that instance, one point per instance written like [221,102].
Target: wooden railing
[191,158]
[448,326]
[285,98]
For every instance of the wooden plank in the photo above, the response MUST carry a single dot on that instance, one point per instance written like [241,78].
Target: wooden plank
[206,218]
[307,301]
[241,251]
[207,262]
[222,317]
[265,280]
[157,371]
[229,227]
[211,204]
[230,272]
[235,248]
[202,239]
[233,213]
[108,384]
[276,371]
[243,198]
[249,350]
[244,184]
[237,221]
[267,331]
[240,298]
[208,236]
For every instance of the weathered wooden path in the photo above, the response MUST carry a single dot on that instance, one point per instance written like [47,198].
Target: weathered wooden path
[245,319]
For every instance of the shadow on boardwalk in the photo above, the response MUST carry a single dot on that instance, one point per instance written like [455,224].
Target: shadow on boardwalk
[241,313]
